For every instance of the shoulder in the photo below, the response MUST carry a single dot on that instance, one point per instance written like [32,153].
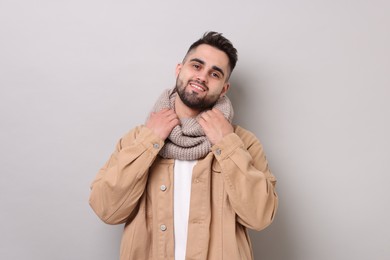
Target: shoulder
[245,135]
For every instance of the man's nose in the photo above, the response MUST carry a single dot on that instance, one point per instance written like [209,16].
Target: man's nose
[202,76]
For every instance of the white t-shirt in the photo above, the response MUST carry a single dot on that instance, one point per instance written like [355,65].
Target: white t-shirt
[181,204]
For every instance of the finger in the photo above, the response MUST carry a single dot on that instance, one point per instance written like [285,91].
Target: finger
[171,125]
[165,112]
[162,111]
[203,124]
[200,119]
[217,113]
[206,116]
[172,116]
[174,122]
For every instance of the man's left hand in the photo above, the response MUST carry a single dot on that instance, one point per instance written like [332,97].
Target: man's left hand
[215,125]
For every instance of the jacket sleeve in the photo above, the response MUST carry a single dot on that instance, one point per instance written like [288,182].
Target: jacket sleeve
[248,181]
[118,186]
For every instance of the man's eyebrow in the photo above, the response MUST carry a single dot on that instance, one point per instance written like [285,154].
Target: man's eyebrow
[219,69]
[213,67]
[198,60]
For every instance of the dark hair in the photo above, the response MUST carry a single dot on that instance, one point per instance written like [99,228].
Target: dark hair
[216,40]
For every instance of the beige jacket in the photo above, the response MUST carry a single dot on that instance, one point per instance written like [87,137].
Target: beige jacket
[232,189]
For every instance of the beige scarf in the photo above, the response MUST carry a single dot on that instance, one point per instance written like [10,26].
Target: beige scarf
[188,141]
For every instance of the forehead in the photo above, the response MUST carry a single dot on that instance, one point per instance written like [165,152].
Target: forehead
[210,55]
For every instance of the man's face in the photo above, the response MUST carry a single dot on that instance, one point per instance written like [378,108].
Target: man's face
[202,77]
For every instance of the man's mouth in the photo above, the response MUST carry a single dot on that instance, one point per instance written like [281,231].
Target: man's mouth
[198,86]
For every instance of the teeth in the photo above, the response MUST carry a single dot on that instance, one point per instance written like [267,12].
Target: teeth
[197,87]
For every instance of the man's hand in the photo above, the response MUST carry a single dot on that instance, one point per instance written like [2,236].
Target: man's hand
[162,122]
[215,125]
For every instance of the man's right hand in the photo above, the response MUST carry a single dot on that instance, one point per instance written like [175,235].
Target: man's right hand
[162,122]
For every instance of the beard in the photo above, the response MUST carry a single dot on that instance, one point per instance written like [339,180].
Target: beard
[192,99]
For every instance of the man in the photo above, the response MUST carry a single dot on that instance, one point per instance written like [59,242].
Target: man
[188,183]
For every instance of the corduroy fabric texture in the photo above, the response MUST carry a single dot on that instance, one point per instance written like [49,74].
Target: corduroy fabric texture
[188,140]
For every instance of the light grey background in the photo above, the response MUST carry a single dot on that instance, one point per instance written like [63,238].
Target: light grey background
[312,82]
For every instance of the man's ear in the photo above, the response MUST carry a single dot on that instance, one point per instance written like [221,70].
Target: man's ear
[225,89]
[178,69]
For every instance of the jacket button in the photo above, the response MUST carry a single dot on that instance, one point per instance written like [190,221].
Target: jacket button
[156,146]
[163,187]
[163,227]
[218,151]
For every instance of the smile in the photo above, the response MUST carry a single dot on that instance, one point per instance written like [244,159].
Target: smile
[198,87]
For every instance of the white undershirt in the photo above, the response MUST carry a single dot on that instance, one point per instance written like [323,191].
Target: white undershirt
[181,204]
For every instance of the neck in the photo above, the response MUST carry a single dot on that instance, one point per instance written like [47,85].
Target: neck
[183,111]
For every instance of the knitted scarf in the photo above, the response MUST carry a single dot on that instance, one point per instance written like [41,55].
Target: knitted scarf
[188,140]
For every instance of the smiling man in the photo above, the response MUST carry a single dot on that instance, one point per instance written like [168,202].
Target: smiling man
[189,183]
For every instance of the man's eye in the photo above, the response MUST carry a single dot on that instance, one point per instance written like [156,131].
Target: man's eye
[196,66]
[215,75]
